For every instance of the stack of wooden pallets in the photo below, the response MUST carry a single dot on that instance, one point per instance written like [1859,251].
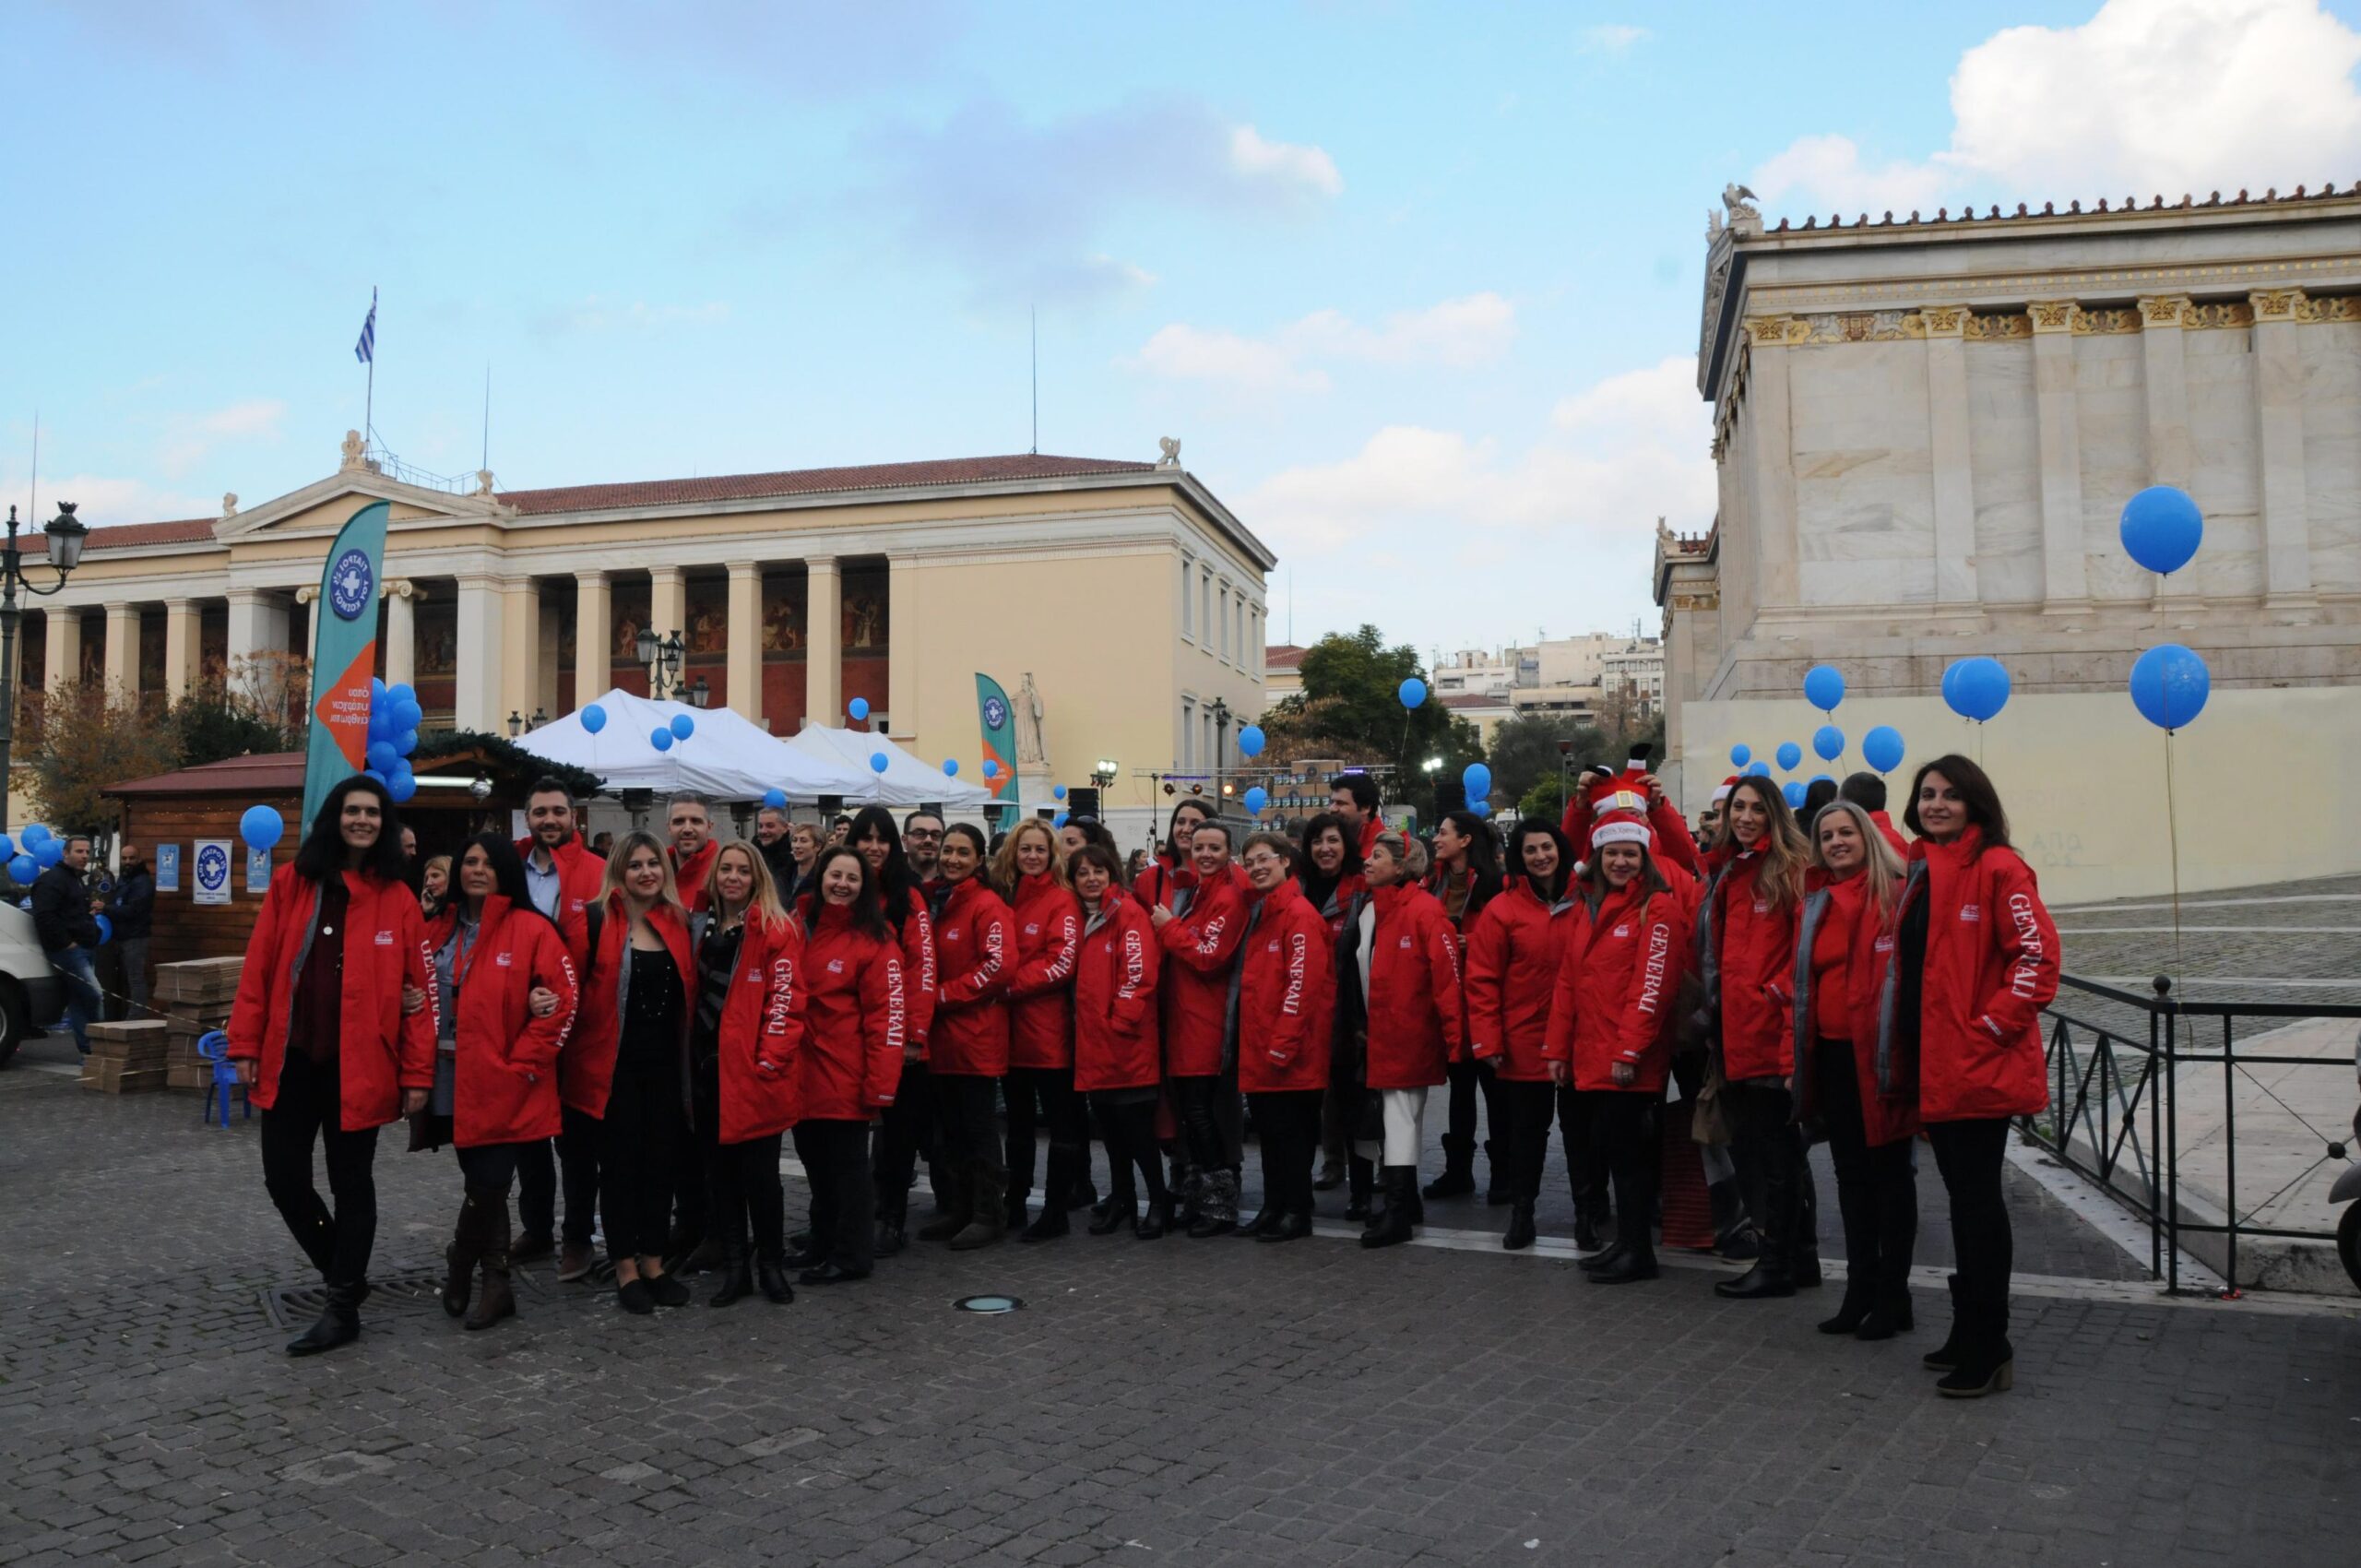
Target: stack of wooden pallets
[125,1058]
[195,998]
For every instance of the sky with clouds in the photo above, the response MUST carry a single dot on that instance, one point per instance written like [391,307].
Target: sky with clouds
[1416,285]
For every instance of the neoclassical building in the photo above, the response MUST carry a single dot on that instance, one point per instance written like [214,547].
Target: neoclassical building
[1133,596]
[1926,429]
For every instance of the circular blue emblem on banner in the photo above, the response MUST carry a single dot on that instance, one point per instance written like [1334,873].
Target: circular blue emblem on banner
[351,584]
[995,713]
[212,868]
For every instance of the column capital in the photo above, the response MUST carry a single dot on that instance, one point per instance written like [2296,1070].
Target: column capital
[820,562]
[2163,310]
[2278,305]
[664,573]
[1944,321]
[1776,331]
[2052,315]
[743,568]
[400,587]
[591,577]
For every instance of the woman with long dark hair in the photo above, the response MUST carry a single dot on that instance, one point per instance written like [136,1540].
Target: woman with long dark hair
[497,1056]
[1117,1054]
[1172,868]
[1465,877]
[856,1019]
[1200,933]
[1029,874]
[1974,961]
[975,940]
[746,1066]
[1747,957]
[905,1134]
[333,1037]
[1286,990]
[1328,867]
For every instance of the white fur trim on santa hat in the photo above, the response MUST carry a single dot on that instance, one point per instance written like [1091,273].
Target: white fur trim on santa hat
[1619,830]
[1722,793]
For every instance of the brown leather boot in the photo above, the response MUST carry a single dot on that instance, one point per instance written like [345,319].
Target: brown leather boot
[498,1299]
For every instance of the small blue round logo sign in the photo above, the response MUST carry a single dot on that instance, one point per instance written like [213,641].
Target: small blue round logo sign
[995,713]
[351,584]
[212,868]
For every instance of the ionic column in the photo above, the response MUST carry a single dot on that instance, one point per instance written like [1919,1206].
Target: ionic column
[594,627]
[520,648]
[2279,407]
[668,601]
[476,697]
[902,633]
[64,641]
[401,632]
[2164,356]
[746,639]
[1776,542]
[823,683]
[122,652]
[183,655]
[2065,578]
[1954,481]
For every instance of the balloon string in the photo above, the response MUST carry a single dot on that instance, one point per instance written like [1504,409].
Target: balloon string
[2172,835]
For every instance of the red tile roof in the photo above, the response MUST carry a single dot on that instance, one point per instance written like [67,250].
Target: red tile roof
[1283,656]
[2130,205]
[190,530]
[1017,467]
[258,773]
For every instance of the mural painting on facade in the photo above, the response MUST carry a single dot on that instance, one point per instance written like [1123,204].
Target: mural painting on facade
[435,659]
[864,610]
[707,633]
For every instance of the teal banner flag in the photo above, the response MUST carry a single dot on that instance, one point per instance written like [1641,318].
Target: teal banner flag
[998,721]
[344,658]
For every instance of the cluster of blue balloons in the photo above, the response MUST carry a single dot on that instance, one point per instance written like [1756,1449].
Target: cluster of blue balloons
[35,850]
[1976,688]
[665,736]
[1477,780]
[394,718]
[2162,529]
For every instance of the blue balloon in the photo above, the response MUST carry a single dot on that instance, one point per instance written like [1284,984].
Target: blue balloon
[22,868]
[1881,748]
[859,707]
[401,787]
[1758,768]
[381,723]
[660,737]
[1793,789]
[1828,741]
[594,718]
[950,768]
[991,768]
[376,691]
[373,773]
[1256,799]
[1059,820]
[1824,688]
[1477,780]
[382,755]
[7,849]
[1740,754]
[774,799]
[1059,792]
[106,929]
[879,762]
[2162,529]
[408,715]
[1482,808]
[2169,685]
[1412,692]
[261,827]
[1951,684]
[33,834]
[405,743]
[1789,753]
[1250,740]
[52,851]
[683,727]
[403,692]
[1977,688]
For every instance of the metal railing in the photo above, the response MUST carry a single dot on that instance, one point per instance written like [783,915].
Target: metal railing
[2117,1088]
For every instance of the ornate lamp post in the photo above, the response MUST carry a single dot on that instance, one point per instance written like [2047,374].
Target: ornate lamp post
[662,656]
[66,533]
[1220,711]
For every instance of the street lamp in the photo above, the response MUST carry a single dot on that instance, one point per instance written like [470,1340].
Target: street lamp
[516,723]
[66,533]
[1220,710]
[700,694]
[1104,774]
[662,656]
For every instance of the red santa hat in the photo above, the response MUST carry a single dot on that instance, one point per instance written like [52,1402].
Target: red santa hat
[1722,790]
[1619,791]
[1621,827]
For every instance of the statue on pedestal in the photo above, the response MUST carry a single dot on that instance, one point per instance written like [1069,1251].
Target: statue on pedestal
[1032,751]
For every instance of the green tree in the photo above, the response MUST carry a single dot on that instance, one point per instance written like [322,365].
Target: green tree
[90,738]
[1350,708]
[215,724]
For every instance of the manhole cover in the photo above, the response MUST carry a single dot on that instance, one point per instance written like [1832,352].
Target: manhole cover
[988,1303]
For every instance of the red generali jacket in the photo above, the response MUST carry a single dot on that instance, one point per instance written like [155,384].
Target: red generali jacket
[975,949]
[505,1085]
[856,1018]
[1286,993]
[762,1032]
[579,875]
[1672,844]
[380,1052]
[1614,997]
[1416,1014]
[1200,948]
[918,968]
[587,1070]
[1040,990]
[1160,878]
[1512,970]
[689,876]
[1116,1044]
[1884,824]
[1990,967]
[1842,953]
[1748,959]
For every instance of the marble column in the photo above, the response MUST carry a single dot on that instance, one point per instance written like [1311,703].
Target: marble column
[824,683]
[594,628]
[257,625]
[1955,482]
[902,643]
[64,642]
[1775,537]
[745,644]
[401,632]
[2279,404]
[668,601]
[2164,355]
[183,655]
[520,648]
[2065,578]
[122,652]
[476,699]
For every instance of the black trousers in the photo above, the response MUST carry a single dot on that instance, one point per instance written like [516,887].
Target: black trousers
[1207,1109]
[577,1152]
[1288,1122]
[537,1188]
[1626,1129]
[747,1207]
[308,1111]
[1470,1080]
[966,1127]
[640,1150]
[1877,1188]
[844,1200]
[1044,1097]
[903,1135]
[1768,1149]
[1969,1155]
[492,1167]
[1127,1120]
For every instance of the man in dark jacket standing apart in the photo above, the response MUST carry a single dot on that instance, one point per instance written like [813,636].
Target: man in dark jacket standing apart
[68,930]
[130,909]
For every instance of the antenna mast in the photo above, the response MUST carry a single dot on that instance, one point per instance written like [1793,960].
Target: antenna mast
[1035,317]
[487,416]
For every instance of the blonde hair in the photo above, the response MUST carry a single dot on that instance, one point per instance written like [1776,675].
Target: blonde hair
[762,900]
[1881,865]
[626,847]
[1004,873]
[435,864]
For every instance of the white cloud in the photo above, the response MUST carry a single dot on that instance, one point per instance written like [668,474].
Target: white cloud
[2147,98]
[190,438]
[1470,330]
[1610,37]
[105,503]
[1285,163]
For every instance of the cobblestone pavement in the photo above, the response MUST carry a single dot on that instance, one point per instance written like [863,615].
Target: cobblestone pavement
[1197,1403]
[2288,942]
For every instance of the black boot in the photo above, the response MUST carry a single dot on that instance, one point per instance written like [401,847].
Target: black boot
[1217,1206]
[1362,1175]
[1391,1226]
[770,1275]
[1628,1266]
[1897,1233]
[1520,1234]
[1855,1210]
[1585,1228]
[1458,1169]
[1946,1356]
[1292,1225]
[1263,1224]
[1152,1225]
[1052,1221]
[459,1259]
[1497,1191]
[1610,1258]
[737,1277]
[1121,1208]
[339,1323]
[1771,1276]
[1987,1361]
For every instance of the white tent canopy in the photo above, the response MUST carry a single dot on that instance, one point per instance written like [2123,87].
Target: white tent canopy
[906,781]
[726,757]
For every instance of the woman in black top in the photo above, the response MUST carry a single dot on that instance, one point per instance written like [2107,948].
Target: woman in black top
[644,1125]
[1466,875]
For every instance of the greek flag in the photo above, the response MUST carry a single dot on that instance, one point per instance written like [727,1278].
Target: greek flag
[365,350]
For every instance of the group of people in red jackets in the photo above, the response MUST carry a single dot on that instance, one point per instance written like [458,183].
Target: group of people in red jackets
[665,1017]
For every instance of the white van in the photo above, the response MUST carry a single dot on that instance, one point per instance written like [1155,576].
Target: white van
[30,988]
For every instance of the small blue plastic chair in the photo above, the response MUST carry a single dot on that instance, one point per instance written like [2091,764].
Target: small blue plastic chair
[215,1048]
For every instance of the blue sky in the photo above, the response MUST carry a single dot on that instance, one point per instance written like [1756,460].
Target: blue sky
[1416,285]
